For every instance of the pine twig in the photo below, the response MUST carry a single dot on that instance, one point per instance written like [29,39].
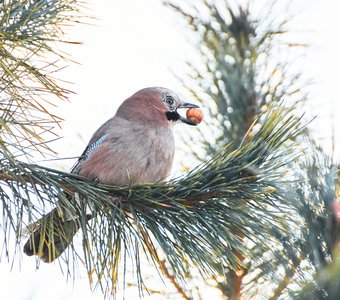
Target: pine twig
[172,279]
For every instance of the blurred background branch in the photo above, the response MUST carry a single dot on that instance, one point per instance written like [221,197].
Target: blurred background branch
[238,73]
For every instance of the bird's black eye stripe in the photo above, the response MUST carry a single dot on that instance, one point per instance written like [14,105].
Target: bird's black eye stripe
[172,116]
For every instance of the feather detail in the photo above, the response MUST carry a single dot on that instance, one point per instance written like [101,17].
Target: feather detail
[90,148]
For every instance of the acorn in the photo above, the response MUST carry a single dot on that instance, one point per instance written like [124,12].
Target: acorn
[195,115]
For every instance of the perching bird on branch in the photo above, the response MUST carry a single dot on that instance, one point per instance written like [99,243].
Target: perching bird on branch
[135,146]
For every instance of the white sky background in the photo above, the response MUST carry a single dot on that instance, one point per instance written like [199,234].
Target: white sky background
[133,45]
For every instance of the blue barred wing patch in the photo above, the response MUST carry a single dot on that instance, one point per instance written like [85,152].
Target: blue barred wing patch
[94,145]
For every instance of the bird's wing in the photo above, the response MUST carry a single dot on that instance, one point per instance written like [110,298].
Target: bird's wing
[96,140]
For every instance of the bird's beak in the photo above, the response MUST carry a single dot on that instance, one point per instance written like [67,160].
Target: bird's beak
[187,105]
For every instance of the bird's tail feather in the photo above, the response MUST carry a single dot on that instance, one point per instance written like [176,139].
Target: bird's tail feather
[51,237]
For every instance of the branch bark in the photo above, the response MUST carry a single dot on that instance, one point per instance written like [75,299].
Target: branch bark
[166,272]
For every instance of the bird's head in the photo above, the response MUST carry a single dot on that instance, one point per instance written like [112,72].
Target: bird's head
[172,102]
[155,104]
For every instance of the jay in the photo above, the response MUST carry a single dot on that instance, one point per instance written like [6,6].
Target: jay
[135,146]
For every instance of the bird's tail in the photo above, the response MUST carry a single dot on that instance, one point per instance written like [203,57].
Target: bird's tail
[51,237]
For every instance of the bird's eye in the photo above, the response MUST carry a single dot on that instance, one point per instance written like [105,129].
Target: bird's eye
[169,100]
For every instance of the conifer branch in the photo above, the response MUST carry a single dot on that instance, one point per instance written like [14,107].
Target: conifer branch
[29,57]
[217,201]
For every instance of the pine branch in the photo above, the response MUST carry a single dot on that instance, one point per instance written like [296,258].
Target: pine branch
[30,32]
[316,194]
[195,218]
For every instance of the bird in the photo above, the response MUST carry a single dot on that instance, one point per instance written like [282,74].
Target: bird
[135,146]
